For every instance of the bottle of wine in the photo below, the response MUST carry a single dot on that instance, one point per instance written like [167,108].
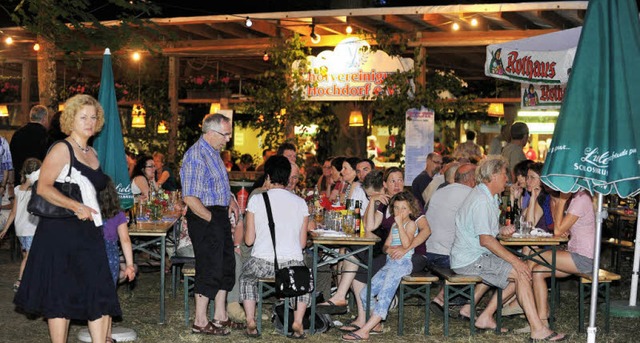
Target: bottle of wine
[508,214]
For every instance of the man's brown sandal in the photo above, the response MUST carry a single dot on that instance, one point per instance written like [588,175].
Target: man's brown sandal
[210,329]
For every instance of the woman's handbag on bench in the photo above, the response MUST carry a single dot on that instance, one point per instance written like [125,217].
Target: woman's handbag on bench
[291,281]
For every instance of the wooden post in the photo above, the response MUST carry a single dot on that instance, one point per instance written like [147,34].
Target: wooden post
[422,59]
[174,70]
[25,95]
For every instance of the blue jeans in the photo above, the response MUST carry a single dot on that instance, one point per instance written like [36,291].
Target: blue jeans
[437,260]
[385,284]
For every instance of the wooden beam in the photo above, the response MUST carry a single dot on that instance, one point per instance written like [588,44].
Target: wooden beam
[473,38]
[400,23]
[234,30]
[199,30]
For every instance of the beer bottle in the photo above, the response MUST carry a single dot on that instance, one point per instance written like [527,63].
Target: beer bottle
[357,220]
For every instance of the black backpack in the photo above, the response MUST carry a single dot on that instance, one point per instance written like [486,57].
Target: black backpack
[323,321]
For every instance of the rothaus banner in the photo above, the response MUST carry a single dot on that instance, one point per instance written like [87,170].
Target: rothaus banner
[350,72]
[541,96]
[544,59]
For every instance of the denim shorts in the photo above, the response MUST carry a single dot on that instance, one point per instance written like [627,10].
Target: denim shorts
[25,241]
[438,260]
[583,264]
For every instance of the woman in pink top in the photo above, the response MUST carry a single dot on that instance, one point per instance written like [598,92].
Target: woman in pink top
[579,224]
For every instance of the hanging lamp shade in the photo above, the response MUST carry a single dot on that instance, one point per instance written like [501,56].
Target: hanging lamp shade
[496,109]
[61,107]
[355,118]
[4,111]
[162,127]
[215,107]
[137,116]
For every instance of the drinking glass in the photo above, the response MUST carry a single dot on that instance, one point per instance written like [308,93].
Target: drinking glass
[318,216]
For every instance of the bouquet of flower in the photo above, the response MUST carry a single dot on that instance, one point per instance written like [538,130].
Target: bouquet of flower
[206,82]
[157,204]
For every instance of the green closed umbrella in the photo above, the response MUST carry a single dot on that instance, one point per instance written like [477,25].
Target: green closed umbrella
[597,135]
[109,143]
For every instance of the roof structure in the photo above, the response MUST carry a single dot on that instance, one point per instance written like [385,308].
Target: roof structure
[232,47]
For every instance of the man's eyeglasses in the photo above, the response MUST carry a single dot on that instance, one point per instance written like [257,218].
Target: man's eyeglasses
[149,166]
[436,162]
[225,135]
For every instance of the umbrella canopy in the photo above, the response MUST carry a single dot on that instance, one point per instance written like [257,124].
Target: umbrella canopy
[596,139]
[596,136]
[543,59]
[109,143]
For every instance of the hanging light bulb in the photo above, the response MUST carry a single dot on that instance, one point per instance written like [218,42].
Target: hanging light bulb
[265,57]
[315,38]
[4,111]
[162,127]
[455,26]
[248,22]
[136,56]
[474,22]
[137,117]
[8,40]
[36,47]
[349,29]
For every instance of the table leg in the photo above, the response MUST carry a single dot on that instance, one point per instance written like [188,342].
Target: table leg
[369,268]
[163,246]
[552,298]
[312,328]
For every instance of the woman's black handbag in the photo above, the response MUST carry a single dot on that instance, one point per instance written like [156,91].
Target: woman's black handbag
[40,207]
[291,281]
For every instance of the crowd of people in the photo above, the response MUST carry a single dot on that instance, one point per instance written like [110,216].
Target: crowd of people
[448,218]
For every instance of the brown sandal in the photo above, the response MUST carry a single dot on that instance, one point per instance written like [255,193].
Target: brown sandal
[210,329]
[229,324]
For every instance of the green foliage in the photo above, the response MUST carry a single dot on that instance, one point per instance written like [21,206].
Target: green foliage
[72,26]
[278,103]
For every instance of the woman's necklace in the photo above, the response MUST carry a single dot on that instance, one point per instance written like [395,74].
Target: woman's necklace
[84,150]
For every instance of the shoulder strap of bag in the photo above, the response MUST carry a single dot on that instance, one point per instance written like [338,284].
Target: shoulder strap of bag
[71,156]
[272,228]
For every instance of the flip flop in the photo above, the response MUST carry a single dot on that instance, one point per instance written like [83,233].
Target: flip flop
[549,338]
[437,308]
[331,308]
[377,332]
[349,328]
[353,337]
[297,336]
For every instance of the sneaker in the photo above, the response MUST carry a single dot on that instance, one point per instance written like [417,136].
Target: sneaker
[16,285]
[236,312]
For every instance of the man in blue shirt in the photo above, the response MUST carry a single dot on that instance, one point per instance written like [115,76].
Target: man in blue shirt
[434,164]
[206,191]
[477,251]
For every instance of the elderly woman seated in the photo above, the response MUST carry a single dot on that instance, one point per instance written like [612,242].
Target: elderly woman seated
[290,215]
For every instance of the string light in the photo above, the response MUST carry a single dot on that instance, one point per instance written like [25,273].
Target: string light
[136,56]
[265,57]
[474,22]
[349,29]
[9,40]
[248,22]
[36,47]
[456,27]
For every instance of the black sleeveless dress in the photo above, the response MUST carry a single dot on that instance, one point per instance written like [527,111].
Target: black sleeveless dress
[67,273]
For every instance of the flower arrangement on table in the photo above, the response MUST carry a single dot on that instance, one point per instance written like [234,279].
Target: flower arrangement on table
[157,204]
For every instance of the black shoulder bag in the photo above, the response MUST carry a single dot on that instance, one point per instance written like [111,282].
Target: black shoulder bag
[291,281]
[40,207]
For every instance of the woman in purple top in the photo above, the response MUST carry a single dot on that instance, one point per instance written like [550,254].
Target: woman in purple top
[579,224]
[115,226]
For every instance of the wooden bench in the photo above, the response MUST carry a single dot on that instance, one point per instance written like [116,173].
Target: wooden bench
[604,281]
[457,285]
[418,284]
[188,276]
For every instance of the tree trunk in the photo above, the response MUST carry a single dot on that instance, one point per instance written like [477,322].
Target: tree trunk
[47,93]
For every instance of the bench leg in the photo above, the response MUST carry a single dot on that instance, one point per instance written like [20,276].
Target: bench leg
[472,314]
[446,309]
[185,282]
[285,327]
[499,312]
[607,306]
[427,300]
[401,310]
[581,308]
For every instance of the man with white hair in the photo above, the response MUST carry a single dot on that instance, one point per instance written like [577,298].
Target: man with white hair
[477,251]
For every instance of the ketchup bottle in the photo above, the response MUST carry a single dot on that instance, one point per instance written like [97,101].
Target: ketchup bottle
[242,197]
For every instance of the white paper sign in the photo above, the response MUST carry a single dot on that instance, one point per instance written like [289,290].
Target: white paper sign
[419,128]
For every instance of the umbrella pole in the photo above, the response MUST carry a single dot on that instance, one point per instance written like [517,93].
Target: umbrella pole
[636,265]
[591,330]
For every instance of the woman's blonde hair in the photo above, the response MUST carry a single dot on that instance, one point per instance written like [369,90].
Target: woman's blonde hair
[71,108]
